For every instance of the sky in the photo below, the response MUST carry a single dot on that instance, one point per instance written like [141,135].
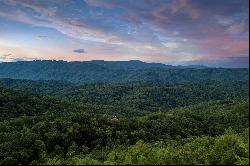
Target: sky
[176,32]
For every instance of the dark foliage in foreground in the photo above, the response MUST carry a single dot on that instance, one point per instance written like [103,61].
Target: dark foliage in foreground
[56,133]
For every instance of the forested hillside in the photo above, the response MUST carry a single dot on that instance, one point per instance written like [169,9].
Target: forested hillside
[110,72]
[101,112]
[214,132]
[137,95]
[19,103]
[124,82]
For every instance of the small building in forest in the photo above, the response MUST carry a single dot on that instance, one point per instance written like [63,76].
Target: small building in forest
[113,118]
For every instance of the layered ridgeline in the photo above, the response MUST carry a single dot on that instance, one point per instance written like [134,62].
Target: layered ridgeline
[139,96]
[126,71]
[55,132]
[97,112]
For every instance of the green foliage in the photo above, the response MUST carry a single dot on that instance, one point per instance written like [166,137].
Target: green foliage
[227,149]
[83,160]
[139,96]
[192,123]
[76,137]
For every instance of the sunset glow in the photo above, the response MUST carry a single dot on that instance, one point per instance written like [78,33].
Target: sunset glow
[178,32]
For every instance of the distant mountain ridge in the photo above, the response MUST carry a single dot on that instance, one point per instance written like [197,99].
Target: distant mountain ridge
[136,64]
[131,64]
[114,71]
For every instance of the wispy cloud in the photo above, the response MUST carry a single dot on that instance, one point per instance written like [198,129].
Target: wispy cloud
[14,58]
[42,36]
[150,29]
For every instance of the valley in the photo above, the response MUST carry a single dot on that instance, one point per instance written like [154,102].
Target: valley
[181,120]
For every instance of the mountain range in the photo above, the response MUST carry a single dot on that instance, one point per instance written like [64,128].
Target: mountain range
[115,72]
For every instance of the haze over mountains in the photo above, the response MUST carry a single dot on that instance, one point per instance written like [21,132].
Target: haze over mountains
[131,64]
[114,72]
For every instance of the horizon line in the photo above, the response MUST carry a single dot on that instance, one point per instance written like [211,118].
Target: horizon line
[135,60]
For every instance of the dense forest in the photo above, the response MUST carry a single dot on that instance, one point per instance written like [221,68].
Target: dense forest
[59,113]
[136,95]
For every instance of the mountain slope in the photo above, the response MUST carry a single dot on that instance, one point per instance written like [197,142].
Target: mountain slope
[136,95]
[113,72]
[78,137]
